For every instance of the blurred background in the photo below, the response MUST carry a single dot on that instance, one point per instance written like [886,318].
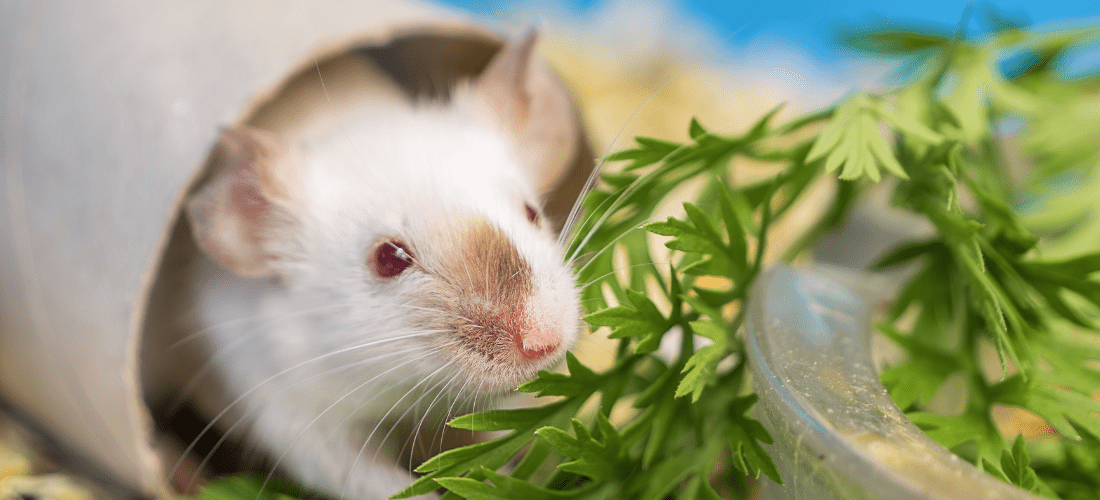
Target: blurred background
[811,27]
[728,62]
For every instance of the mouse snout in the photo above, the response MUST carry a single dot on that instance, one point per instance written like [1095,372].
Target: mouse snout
[507,334]
[508,315]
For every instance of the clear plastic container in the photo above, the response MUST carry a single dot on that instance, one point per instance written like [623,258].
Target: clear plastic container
[838,435]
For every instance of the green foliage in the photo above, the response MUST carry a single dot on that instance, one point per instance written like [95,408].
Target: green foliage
[701,369]
[597,459]
[1024,281]
[853,140]
[472,461]
[657,424]
[639,319]
[1015,468]
[745,436]
[1071,468]
[247,486]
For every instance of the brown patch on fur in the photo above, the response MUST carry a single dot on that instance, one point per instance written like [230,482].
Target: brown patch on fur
[487,265]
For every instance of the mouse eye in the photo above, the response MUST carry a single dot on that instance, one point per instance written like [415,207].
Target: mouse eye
[532,214]
[390,258]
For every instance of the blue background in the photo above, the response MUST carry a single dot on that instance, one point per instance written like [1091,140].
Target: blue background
[814,27]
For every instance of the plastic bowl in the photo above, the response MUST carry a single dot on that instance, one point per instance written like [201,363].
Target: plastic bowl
[837,433]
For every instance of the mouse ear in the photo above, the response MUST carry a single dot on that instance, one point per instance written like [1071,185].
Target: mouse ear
[234,214]
[533,104]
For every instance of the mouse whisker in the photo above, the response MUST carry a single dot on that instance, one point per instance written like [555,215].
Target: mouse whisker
[246,319]
[438,311]
[344,367]
[383,419]
[617,201]
[215,358]
[597,279]
[245,415]
[593,178]
[452,393]
[449,415]
[415,409]
[607,247]
[477,393]
[466,266]
[411,375]
[582,257]
[282,373]
[593,299]
[620,194]
[338,401]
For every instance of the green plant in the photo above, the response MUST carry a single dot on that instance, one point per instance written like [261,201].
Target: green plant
[1011,264]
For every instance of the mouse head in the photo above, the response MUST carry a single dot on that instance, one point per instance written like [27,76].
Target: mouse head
[421,223]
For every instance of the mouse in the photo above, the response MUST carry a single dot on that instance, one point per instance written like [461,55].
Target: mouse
[398,271]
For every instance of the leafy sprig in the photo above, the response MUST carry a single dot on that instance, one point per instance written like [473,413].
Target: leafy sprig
[984,276]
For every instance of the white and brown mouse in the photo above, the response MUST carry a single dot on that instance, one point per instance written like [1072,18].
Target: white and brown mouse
[396,272]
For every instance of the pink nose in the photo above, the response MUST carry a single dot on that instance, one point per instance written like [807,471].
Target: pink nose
[537,344]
